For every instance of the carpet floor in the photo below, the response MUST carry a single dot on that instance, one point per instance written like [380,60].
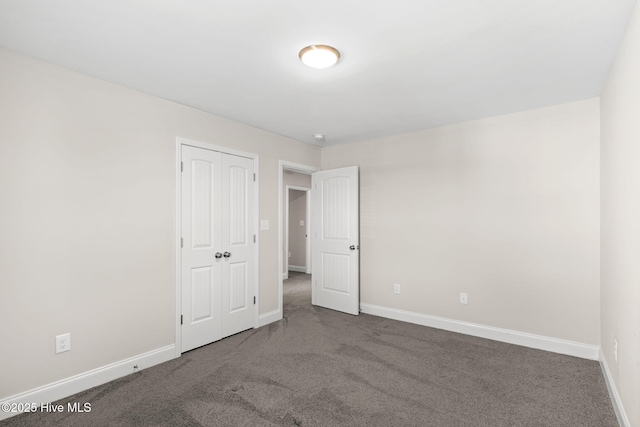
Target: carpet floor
[318,367]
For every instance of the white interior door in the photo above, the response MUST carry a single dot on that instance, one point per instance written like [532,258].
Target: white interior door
[201,236]
[237,235]
[335,239]
[217,277]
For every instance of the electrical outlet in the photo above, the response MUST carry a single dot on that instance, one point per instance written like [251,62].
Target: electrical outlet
[615,349]
[396,288]
[289,254]
[463,298]
[63,343]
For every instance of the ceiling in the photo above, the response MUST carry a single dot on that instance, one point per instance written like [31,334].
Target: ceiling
[406,64]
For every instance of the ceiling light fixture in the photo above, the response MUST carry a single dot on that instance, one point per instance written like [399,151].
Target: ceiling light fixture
[319,56]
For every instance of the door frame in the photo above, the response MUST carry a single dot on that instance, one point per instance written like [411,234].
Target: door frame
[293,167]
[307,229]
[180,141]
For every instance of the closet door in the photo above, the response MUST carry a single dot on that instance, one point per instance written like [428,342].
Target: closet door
[237,238]
[217,286]
[202,241]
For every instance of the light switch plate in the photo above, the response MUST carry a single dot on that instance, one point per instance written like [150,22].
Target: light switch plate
[264,224]
[464,298]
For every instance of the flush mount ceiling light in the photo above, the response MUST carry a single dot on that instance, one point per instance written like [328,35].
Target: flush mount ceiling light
[319,56]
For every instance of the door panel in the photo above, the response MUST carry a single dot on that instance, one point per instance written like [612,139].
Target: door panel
[237,188]
[202,204]
[335,209]
[238,286]
[335,272]
[335,239]
[201,271]
[238,213]
[201,294]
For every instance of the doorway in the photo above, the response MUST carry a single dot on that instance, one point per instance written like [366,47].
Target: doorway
[334,236]
[297,229]
[293,177]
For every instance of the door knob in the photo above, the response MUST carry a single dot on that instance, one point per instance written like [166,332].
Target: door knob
[227,254]
[218,255]
[354,247]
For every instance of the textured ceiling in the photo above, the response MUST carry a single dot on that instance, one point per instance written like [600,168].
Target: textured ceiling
[406,64]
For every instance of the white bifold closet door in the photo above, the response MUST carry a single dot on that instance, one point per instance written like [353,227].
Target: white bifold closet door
[218,246]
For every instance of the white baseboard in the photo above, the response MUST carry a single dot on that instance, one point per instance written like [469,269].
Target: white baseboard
[72,385]
[297,268]
[285,275]
[555,345]
[270,317]
[616,402]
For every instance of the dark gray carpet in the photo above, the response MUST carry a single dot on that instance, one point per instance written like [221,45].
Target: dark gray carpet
[318,367]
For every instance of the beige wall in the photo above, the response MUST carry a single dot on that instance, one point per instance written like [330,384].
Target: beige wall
[297,232]
[620,209]
[505,209]
[87,217]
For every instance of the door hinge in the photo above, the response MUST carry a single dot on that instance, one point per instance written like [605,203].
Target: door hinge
[181,319]
[254,300]
[182,242]
[181,166]
[254,177]
[254,238]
